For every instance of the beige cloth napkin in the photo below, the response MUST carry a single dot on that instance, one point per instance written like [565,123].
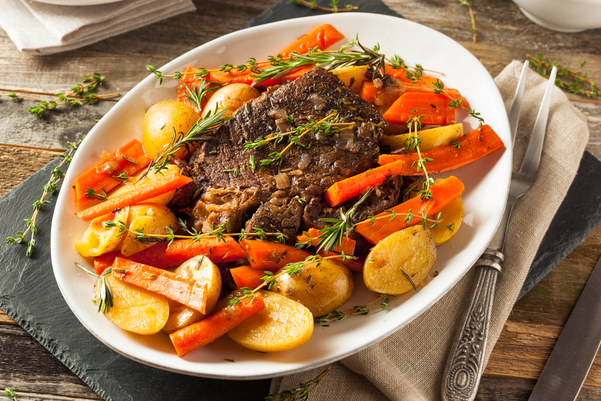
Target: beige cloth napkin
[409,364]
[39,28]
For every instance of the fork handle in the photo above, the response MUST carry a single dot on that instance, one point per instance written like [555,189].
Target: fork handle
[466,359]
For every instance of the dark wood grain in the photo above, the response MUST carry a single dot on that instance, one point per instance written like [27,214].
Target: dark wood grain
[505,34]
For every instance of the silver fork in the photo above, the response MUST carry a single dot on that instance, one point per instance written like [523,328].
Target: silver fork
[466,359]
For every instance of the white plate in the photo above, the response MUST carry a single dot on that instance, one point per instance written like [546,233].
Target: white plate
[77,2]
[486,186]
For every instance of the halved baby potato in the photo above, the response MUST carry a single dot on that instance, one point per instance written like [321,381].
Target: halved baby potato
[352,76]
[134,309]
[99,239]
[321,287]
[283,325]
[400,261]
[230,97]
[150,218]
[430,138]
[199,268]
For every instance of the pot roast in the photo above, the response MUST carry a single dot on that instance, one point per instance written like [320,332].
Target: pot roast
[286,197]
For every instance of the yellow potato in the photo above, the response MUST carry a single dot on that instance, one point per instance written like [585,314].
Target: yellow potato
[322,289]
[230,97]
[199,268]
[150,218]
[283,325]
[410,252]
[430,138]
[450,216]
[162,121]
[352,76]
[98,239]
[135,309]
[449,222]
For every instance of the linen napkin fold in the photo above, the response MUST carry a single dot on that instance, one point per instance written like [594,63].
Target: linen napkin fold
[408,366]
[39,28]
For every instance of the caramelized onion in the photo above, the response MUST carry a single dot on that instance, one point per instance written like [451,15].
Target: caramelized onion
[318,101]
[283,125]
[304,161]
[282,181]
[346,140]
[277,113]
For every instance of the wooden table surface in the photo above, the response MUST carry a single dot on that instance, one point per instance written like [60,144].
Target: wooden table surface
[27,143]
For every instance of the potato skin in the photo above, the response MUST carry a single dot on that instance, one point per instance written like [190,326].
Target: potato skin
[230,97]
[283,325]
[135,309]
[159,123]
[322,289]
[199,268]
[411,250]
[98,239]
[451,215]
[152,219]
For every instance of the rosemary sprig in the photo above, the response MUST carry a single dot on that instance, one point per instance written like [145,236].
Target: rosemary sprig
[198,132]
[356,310]
[575,82]
[312,4]
[196,94]
[105,293]
[10,393]
[50,188]
[468,4]
[300,393]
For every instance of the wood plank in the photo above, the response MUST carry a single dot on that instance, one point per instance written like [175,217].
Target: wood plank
[502,389]
[27,366]
[30,396]
[12,173]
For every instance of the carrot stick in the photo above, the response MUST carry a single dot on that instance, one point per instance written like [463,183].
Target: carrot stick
[442,194]
[347,246]
[266,255]
[137,194]
[104,261]
[322,37]
[128,159]
[355,265]
[166,256]
[400,74]
[184,290]
[246,276]
[199,334]
[468,148]
[433,108]
[384,97]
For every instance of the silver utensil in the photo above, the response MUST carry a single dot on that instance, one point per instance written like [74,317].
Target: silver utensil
[575,351]
[466,358]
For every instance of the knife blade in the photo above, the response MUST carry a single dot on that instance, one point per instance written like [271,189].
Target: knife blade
[576,347]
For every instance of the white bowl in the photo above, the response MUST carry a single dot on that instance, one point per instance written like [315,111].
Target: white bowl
[563,15]
[486,182]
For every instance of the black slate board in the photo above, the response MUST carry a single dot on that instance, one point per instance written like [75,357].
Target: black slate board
[29,294]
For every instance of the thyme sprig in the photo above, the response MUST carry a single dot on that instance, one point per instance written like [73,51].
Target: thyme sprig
[292,269]
[331,236]
[328,125]
[200,131]
[105,293]
[217,231]
[56,175]
[300,393]
[356,310]
[575,82]
[80,92]
[473,30]
[413,142]
[312,4]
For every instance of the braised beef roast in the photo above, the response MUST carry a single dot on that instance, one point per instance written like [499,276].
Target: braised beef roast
[227,190]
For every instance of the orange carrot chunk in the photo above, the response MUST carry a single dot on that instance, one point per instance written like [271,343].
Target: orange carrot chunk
[137,194]
[442,194]
[322,37]
[470,147]
[184,290]
[166,256]
[104,261]
[246,276]
[266,255]
[347,246]
[433,107]
[401,75]
[208,330]
[121,163]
